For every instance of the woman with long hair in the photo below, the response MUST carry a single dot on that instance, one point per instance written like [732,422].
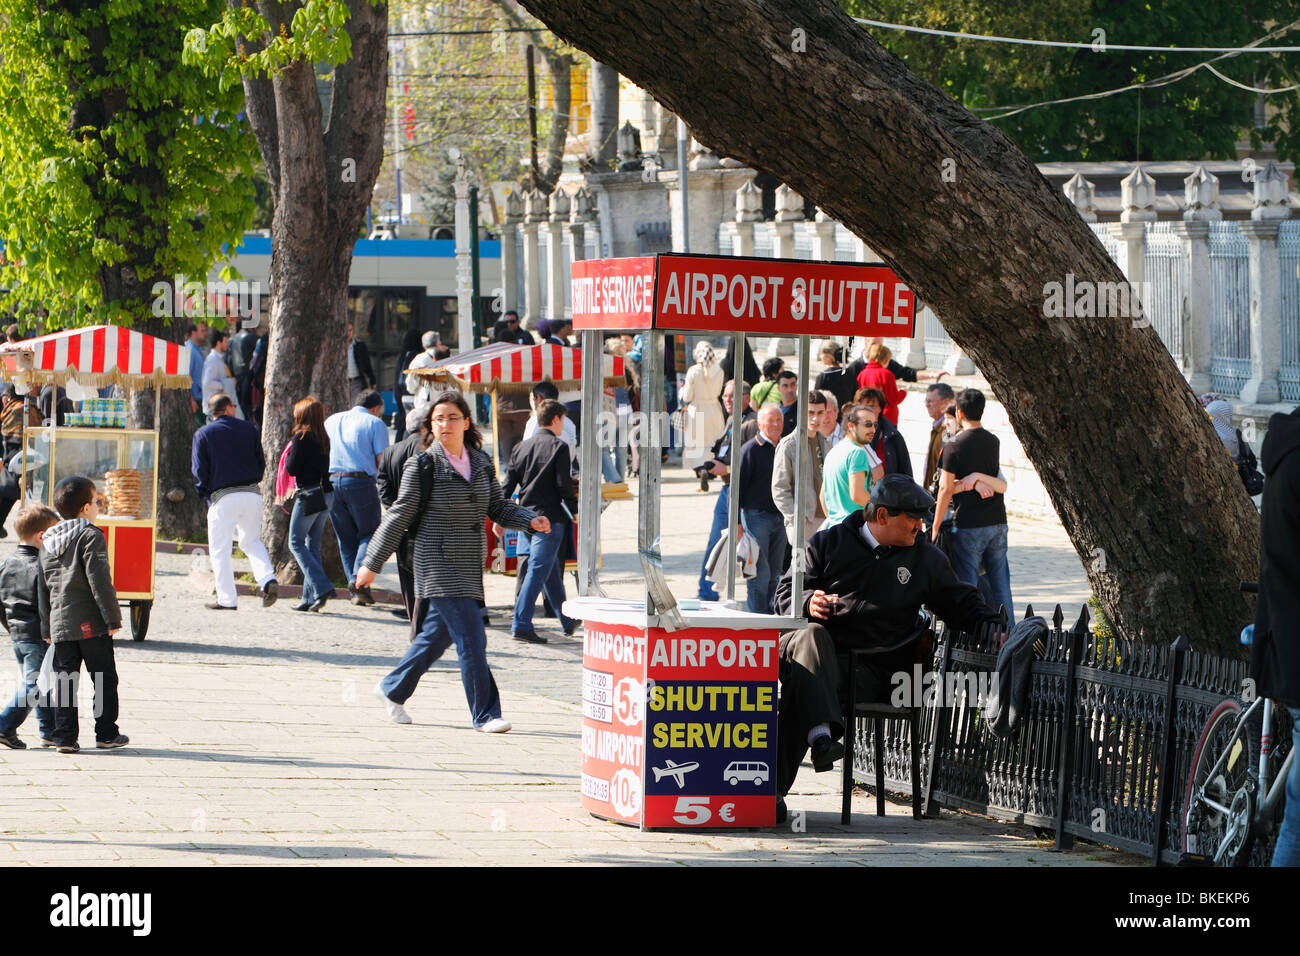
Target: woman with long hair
[309,463]
[445,494]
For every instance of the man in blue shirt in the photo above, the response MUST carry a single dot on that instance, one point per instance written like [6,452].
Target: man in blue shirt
[194,336]
[227,462]
[357,438]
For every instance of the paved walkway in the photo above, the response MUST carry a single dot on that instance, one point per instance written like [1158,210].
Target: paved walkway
[256,740]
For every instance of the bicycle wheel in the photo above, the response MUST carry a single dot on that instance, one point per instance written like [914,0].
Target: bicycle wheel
[1205,828]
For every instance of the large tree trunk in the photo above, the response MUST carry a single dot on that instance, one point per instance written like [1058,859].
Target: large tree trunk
[1140,481]
[321,185]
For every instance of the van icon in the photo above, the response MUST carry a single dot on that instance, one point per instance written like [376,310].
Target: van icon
[739,770]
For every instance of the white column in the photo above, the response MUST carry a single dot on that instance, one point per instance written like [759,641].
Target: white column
[1265,313]
[464,266]
[509,252]
[1197,348]
[536,206]
[556,274]
[822,233]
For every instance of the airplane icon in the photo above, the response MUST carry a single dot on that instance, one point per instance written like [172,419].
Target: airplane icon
[677,771]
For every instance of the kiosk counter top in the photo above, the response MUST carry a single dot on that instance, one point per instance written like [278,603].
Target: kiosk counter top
[711,614]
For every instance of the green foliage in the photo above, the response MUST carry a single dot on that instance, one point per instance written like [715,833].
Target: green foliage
[1198,117]
[122,165]
[244,43]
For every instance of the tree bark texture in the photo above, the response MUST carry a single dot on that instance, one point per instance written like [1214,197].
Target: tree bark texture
[1141,483]
[321,184]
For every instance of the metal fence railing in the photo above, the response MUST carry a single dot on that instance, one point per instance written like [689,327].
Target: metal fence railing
[1102,752]
[1289,253]
[1229,309]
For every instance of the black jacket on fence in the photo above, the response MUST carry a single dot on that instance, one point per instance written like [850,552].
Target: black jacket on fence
[1275,654]
[880,590]
[1009,701]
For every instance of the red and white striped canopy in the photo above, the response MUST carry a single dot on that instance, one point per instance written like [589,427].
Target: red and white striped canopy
[98,356]
[504,363]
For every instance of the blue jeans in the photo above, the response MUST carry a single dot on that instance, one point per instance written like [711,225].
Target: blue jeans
[1286,852]
[720,508]
[768,528]
[355,514]
[608,468]
[30,654]
[970,546]
[545,574]
[305,533]
[442,622]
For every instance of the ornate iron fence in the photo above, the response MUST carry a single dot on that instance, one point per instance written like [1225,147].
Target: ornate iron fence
[1103,719]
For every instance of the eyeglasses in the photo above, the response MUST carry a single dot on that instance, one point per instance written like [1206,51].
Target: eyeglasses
[444,420]
[866,424]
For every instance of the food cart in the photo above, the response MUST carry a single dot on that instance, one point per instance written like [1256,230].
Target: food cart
[506,372]
[679,704]
[123,462]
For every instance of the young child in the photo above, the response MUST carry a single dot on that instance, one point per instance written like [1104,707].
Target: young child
[20,612]
[80,604]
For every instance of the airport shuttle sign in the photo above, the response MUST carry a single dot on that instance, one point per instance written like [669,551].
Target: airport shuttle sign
[732,294]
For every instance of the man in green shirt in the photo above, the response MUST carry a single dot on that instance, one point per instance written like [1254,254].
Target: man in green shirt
[851,468]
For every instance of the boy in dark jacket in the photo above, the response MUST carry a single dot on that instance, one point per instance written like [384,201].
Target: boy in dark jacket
[81,607]
[21,585]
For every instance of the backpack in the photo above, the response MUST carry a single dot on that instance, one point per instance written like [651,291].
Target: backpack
[1248,467]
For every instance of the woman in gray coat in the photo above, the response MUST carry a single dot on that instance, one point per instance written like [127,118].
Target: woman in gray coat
[445,493]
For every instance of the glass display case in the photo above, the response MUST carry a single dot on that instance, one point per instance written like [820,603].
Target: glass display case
[122,462]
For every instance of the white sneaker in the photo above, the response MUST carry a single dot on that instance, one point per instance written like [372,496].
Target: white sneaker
[496,726]
[396,711]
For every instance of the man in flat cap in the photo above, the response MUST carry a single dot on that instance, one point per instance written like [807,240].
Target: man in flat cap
[865,581]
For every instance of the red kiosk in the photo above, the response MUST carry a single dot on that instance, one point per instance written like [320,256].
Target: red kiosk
[679,706]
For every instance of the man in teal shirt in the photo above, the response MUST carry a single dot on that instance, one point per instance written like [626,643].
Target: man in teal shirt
[851,468]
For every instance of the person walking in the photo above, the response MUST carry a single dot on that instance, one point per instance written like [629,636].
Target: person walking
[417,385]
[194,336]
[445,493]
[888,444]
[228,463]
[391,463]
[968,478]
[216,373]
[510,331]
[361,374]
[758,512]
[784,491]
[357,438]
[720,467]
[1275,650]
[852,468]
[877,375]
[542,471]
[405,402]
[309,462]
[703,415]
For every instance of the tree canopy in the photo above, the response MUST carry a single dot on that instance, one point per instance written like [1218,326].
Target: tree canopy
[122,165]
[1199,116]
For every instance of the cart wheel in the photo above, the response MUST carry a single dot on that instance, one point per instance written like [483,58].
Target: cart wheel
[140,619]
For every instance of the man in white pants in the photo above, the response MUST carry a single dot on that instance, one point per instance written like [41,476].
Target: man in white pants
[228,463]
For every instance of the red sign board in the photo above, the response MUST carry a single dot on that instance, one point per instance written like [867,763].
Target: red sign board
[613,293]
[733,294]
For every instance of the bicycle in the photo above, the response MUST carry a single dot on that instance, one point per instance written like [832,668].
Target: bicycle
[1237,760]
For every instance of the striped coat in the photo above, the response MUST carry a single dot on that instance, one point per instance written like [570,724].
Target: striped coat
[449,541]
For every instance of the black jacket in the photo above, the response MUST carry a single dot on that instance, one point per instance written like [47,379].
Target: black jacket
[520,336]
[880,593]
[895,457]
[21,585]
[1275,654]
[391,462]
[540,469]
[749,371]
[227,453]
[80,601]
[308,462]
[839,383]
[722,447]
[361,355]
